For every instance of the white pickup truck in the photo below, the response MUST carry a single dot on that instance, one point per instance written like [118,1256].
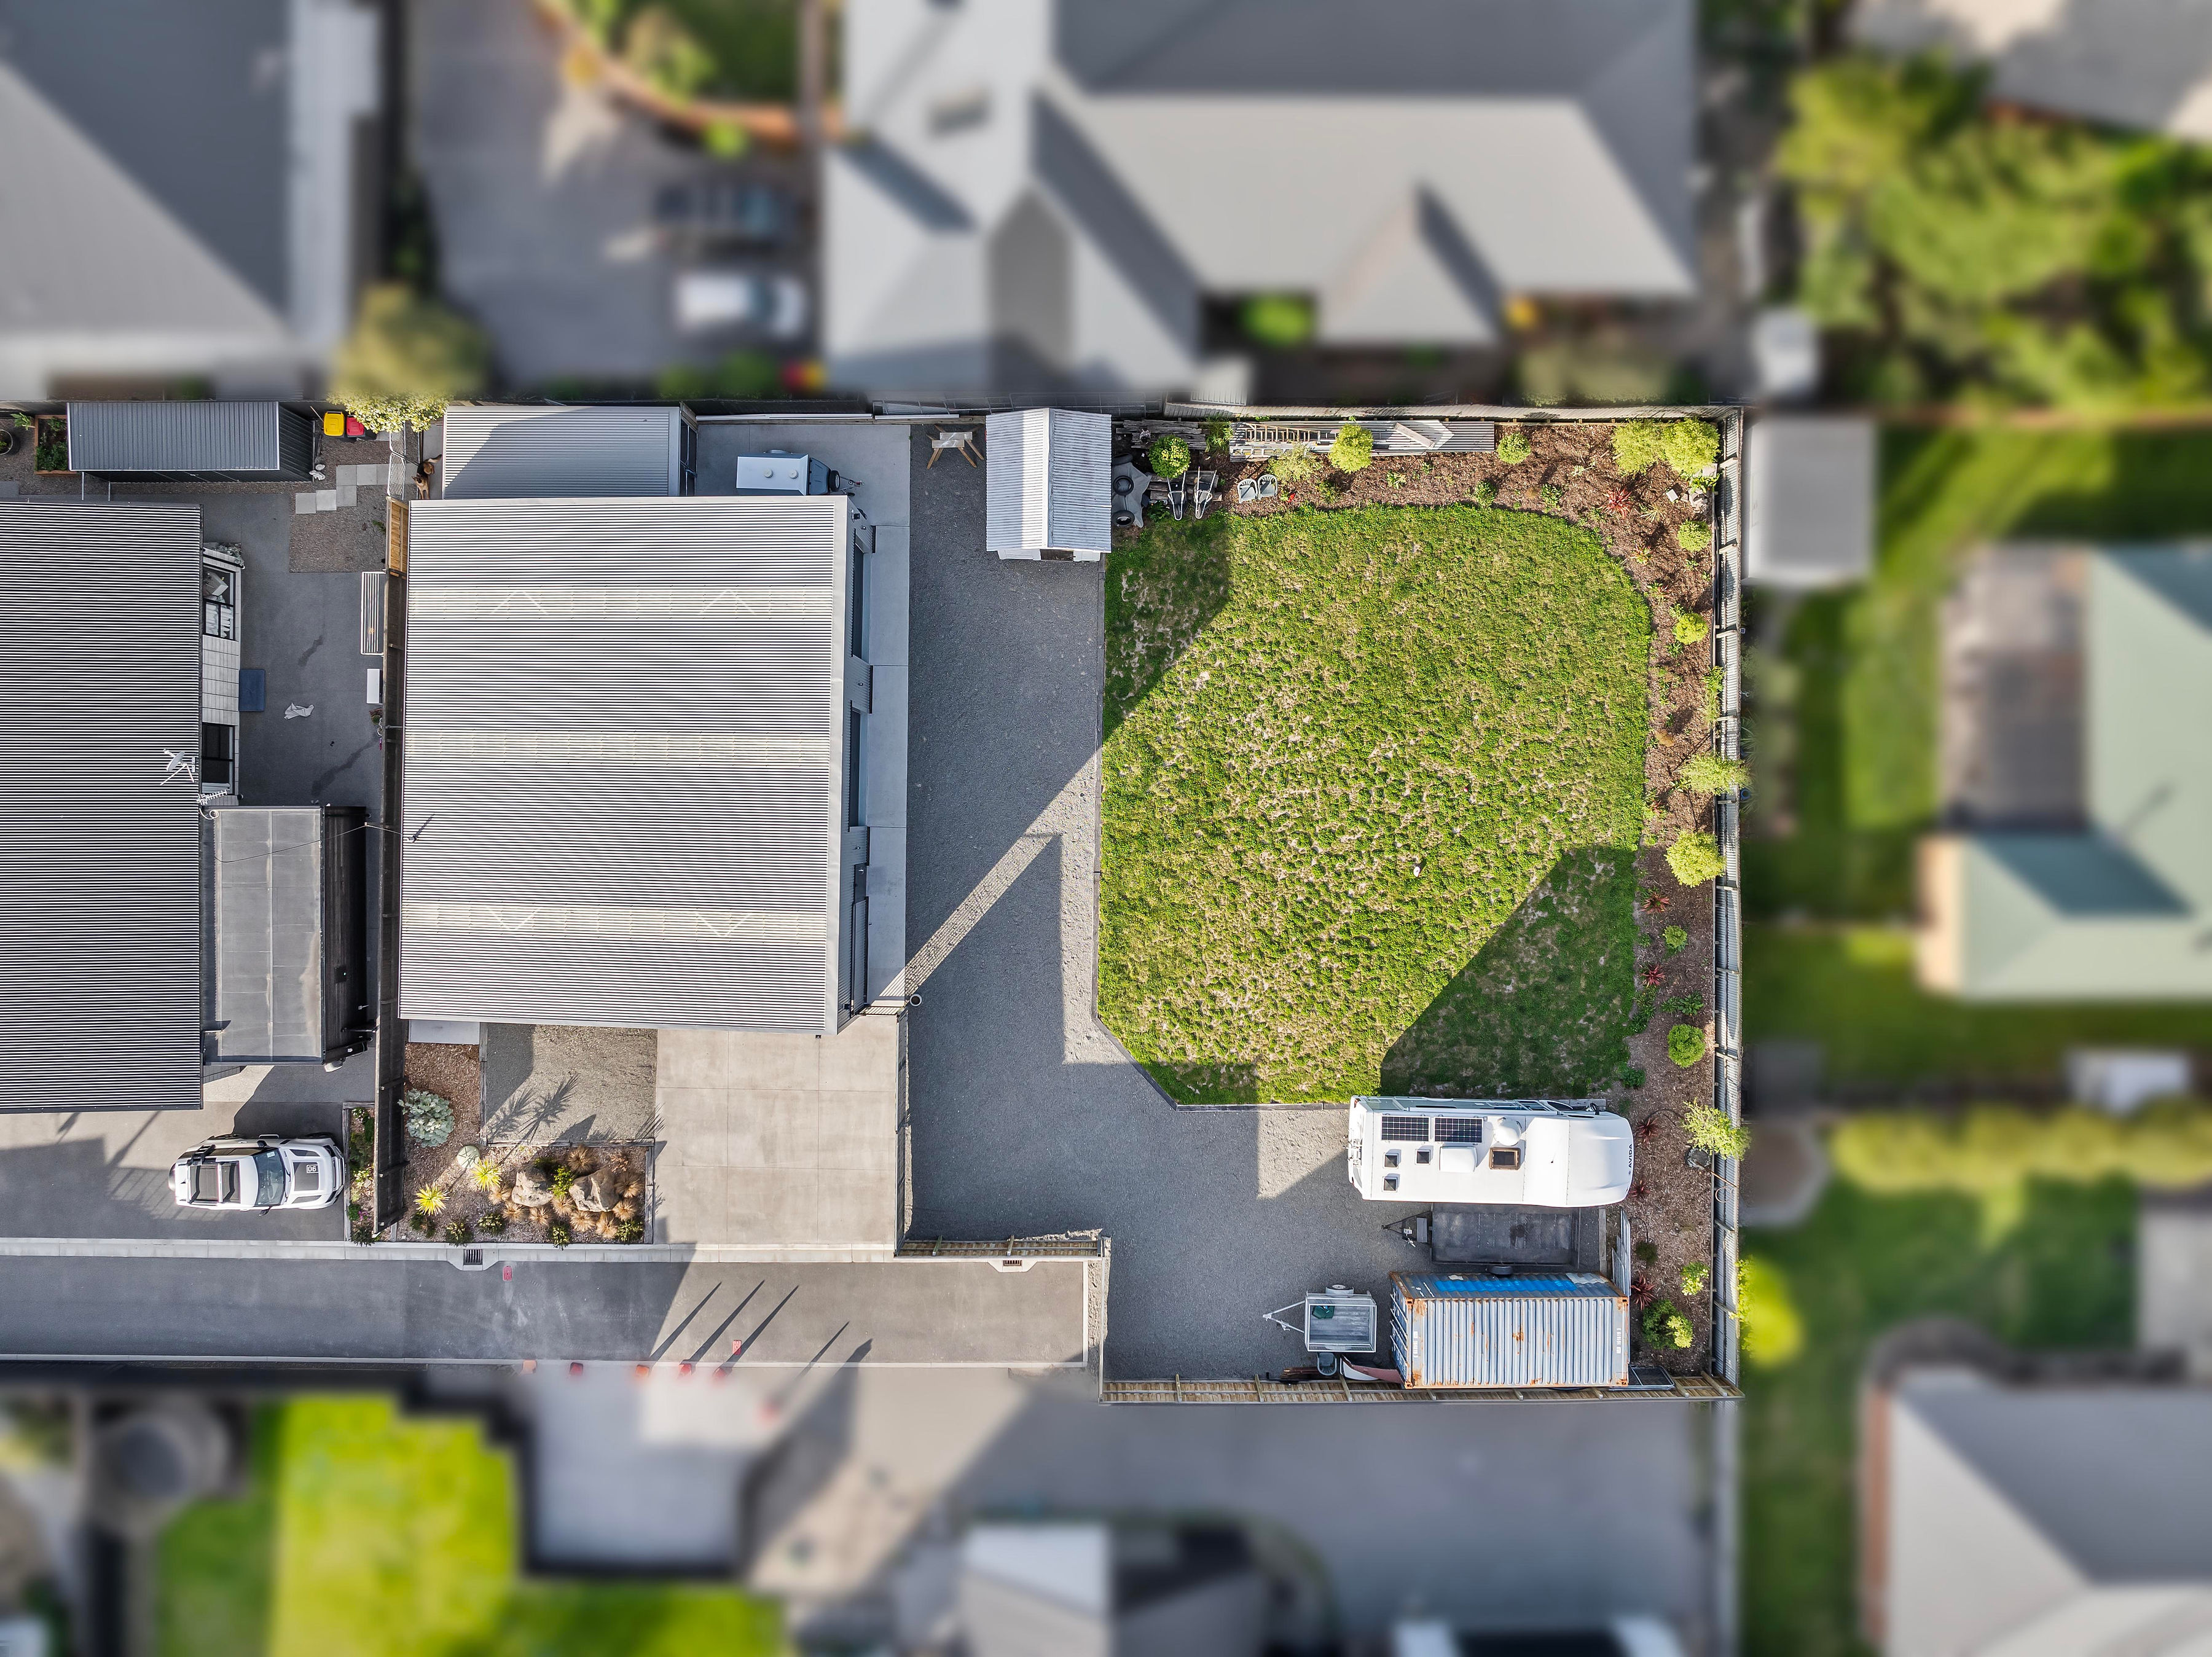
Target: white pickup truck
[1540,1153]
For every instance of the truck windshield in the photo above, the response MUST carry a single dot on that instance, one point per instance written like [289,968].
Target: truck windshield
[271,1167]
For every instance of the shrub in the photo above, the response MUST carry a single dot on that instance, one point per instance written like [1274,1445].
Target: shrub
[1553,498]
[1991,1149]
[1279,320]
[1354,449]
[1512,447]
[745,375]
[1695,859]
[1683,1006]
[458,1232]
[1712,697]
[1693,1277]
[1295,465]
[1665,1329]
[1218,434]
[1686,1044]
[1631,1077]
[408,355]
[1689,627]
[429,1117]
[492,1222]
[1773,1333]
[51,452]
[630,1231]
[1636,445]
[1709,1129]
[1694,535]
[363,1232]
[418,1221]
[1485,493]
[1169,456]
[558,1234]
[1690,446]
[1646,1250]
[1676,937]
[429,1200]
[486,1176]
[563,1181]
[1708,773]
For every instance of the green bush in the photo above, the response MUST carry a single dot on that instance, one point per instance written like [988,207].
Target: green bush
[1665,1329]
[1695,858]
[563,1181]
[1686,1044]
[1217,435]
[1169,456]
[1691,1006]
[1279,320]
[1485,493]
[407,357]
[1694,535]
[1987,1149]
[491,1222]
[419,1221]
[1512,447]
[742,376]
[1631,1077]
[1354,449]
[1690,446]
[630,1231]
[1646,1250]
[1693,1277]
[558,1234]
[1636,445]
[458,1232]
[1708,773]
[363,1232]
[1676,938]
[1552,496]
[1709,1129]
[429,1117]
[52,453]
[1296,465]
[1689,627]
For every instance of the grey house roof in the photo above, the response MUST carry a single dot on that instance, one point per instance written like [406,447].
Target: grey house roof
[99,670]
[2043,1518]
[1054,191]
[1809,486]
[624,761]
[201,438]
[1050,483]
[510,451]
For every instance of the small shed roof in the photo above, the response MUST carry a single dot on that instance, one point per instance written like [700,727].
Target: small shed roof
[99,856]
[266,869]
[499,451]
[624,761]
[1809,488]
[195,437]
[1051,485]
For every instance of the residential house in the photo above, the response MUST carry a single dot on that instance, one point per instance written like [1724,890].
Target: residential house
[1040,196]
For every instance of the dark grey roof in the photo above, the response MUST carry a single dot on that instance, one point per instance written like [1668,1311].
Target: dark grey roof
[199,436]
[624,761]
[1809,488]
[514,452]
[266,869]
[188,101]
[100,671]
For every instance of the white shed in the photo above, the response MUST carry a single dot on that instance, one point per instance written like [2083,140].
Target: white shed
[1051,490]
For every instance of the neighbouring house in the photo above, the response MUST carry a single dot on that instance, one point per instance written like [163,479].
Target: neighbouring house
[191,194]
[2077,779]
[2011,1507]
[1075,195]
[1094,1589]
[1809,489]
[631,786]
[2125,62]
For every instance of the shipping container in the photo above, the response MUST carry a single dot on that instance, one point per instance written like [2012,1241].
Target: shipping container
[199,441]
[1469,1330]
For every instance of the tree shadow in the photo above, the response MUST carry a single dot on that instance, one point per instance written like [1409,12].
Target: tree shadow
[1547,1004]
[1161,592]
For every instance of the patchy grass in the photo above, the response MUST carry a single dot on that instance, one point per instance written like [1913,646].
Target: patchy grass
[2050,1269]
[1851,989]
[366,1533]
[1373,785]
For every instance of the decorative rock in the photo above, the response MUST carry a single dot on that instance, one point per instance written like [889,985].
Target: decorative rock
[593,1194]
[529,1190]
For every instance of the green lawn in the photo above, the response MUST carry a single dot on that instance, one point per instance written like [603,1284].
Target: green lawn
[2052,1269]
[1850,988]
[1373,787]
[1865,764]
[366,1532]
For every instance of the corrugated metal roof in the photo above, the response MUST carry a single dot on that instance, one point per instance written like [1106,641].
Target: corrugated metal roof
[504,452]
[1558,1330]
[195,436]
[266,869]
[1050,481]
[624,761]
[100,671]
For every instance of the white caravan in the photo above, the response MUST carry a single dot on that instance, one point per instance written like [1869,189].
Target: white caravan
[1540,1153]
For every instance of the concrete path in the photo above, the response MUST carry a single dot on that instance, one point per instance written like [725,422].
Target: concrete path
[372,1306]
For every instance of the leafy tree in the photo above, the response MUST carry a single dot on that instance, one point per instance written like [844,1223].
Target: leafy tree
[1280,320]
[1169,456]
[408,355]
